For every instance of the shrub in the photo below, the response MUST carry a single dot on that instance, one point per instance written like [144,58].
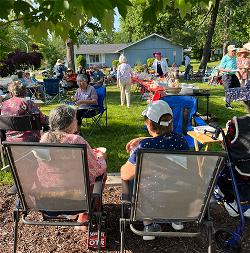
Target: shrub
[81,60]
[150,61]
[138,68]
[115,63]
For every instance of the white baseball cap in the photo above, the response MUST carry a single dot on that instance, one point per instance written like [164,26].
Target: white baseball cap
[231,48]
[156,109]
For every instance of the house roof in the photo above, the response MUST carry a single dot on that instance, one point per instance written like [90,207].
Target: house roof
[99,48]
[110,48]
[151,35]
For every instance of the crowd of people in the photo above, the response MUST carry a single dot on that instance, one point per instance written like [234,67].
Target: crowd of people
[64,122]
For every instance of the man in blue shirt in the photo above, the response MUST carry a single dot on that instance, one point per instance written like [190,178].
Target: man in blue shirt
[97,77]
[228,67]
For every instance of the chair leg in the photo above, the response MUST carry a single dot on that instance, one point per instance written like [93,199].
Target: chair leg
[99,238]
[2,156]
[122,231]
[16,220]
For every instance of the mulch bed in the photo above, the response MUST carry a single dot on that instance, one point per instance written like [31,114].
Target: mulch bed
[64,239]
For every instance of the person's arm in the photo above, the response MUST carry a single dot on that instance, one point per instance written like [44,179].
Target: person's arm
[91,101]
[132,144]
[128,171]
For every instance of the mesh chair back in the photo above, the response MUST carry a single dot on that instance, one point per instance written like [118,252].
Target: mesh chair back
[174,185]
[50,177]
[101,93]
[20,123]
[183,107]
[51,86]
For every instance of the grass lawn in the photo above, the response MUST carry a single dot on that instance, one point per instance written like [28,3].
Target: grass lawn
[126,123]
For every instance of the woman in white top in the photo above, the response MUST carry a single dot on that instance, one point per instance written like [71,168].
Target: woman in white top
[124,74]
[160,65]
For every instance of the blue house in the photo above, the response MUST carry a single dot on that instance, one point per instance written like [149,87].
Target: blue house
[137,52]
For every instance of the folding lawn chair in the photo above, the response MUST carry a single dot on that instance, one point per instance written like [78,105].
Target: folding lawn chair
[52,90]
[53,180]
[17,123]
[184,113]
[171,187]
[96,112]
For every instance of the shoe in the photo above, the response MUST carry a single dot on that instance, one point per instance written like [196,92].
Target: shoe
[177,225]
[153,227]
[247,213]
[230,210]
[12,190]
[82,217]
[229,107]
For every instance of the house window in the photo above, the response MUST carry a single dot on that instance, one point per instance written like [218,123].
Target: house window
[94,58]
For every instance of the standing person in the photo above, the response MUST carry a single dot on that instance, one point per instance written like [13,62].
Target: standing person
[228,68]
[160,65]
[243,64]
[187,61]
[124,81]
[59,69]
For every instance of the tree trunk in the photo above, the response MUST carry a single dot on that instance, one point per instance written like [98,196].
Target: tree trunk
[226,24]
[210,33]
[70,53]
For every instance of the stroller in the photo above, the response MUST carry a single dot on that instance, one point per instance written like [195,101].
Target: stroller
[215,78]
[229,241]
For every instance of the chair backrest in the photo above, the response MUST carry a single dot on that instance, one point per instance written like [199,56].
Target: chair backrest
[174,185]
[50,177]
[51,86]
[20,123]
[101,93]
[184,108]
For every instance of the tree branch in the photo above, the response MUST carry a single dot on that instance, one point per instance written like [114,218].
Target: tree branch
[205,17]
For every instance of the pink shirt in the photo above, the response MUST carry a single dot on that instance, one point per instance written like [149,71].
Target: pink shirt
[97,166]
[17,106]
[244,65]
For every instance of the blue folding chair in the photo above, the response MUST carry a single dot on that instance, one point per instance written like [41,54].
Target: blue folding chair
[184,109]
[52,90]
[96,112]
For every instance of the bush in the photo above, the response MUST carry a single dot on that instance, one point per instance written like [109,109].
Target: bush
[138,68]
[115,63]
[150,61]
[81,60]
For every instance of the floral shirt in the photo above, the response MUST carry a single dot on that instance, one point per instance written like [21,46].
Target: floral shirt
[17,106]
[97,166]
[244,65]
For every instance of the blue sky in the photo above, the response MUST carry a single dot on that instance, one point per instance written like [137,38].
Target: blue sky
[117,21]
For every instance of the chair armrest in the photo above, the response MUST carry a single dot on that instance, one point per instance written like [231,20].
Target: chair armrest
[125,198]
[199,121]
[97,190]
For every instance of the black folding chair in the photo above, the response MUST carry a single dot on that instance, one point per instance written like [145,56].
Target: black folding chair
[53,179]
[17,123]
[171,187]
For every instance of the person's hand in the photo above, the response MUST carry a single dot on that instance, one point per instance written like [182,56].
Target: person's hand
[73,98]
[133,144]
[102,156]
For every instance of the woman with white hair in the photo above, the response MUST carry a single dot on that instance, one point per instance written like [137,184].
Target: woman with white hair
[124,74]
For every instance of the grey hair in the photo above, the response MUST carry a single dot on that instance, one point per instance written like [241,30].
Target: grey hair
[60,119]
[81,77]
[122,59]
[17,89]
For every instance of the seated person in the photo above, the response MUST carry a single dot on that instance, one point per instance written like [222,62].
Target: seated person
[20,77]
[63,125]
[238,143]
[70,78]
[97,77]
[113,75]
[17,105]
[158,119]
[84,98]
[174,71]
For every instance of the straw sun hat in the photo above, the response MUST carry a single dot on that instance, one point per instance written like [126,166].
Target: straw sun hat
[242,51]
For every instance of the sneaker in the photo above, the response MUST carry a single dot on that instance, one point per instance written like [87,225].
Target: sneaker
[177,225]
[151,228]
[12,190]
[229,107]
[230,210]
[247,213]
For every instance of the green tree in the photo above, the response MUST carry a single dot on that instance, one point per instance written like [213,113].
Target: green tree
[81,61]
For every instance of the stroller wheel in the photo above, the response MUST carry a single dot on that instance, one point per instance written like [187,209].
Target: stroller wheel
[222,238]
